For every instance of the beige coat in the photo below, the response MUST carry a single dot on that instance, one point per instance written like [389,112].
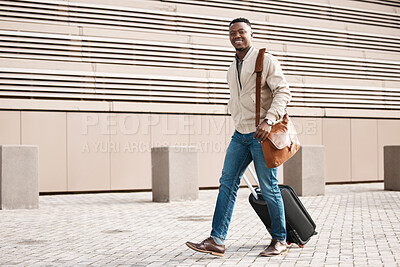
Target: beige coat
[275,93]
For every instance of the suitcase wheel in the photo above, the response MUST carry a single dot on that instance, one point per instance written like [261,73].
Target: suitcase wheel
[300,245]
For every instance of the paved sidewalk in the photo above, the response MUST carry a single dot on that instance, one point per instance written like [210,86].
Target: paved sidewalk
[358,225]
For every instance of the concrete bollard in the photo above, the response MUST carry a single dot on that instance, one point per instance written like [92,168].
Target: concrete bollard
[174,173]
[391,167]
[19,186]
[305,171]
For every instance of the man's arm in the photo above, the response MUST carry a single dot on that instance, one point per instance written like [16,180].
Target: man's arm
[280,90]
[280,97]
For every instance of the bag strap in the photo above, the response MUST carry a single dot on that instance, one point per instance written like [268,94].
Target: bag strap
[258,71]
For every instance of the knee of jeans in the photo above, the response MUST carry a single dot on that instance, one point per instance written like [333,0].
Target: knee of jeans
[229,182]
[270,187]
[229,185]
[227,178]
[271,194]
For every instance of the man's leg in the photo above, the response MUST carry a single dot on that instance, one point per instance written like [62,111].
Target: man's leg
[270,191]
[237,158]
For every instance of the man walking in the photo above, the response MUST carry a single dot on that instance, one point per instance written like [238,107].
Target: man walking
[244,146]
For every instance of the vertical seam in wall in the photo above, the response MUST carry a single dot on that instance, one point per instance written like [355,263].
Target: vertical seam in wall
[150,131]
[322,132]
[1,176]
[66,150]
[109,150]
[378,151]
[20,127]
[351,151]
[189,135]
[323,144]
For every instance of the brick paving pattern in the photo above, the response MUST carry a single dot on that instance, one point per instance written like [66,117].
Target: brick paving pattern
[358,225]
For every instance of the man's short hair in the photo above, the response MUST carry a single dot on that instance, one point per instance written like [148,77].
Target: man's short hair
[240,20]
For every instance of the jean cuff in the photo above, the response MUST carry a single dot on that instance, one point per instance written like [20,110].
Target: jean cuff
[217,240]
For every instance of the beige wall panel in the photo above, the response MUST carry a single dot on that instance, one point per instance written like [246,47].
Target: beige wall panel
[355,27]
[306,112]
[136,34]
[388,134]
[269,44]
[123,106]
[211,40]
[10,127]
[130,151]
[211,74]
[391,56]
[336,139]
[88,151]
[46,64]
[293,79]
[342,81]
[208,137]
[323,50]
[156,71]
[364,147]
[309,130]
[39,27]
[391,84]
[170,130]
[303,21]
[362,113]
[31,104]
[48,131]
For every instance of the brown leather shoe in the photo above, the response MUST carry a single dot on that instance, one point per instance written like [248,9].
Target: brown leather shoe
[274,249]
[208,246]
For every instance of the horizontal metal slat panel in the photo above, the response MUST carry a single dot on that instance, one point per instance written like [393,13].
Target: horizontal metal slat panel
[343,105]
[108,16]
[303,9]
[311,96]
[136,52]
[326,96]
[113,97]
[55,87]
[365,92]
[58,85]
[394,3]
[108,86]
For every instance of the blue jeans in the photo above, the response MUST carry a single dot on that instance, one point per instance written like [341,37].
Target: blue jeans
[242,149]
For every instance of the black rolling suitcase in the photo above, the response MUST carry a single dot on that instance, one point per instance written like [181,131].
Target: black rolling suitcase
[300,226]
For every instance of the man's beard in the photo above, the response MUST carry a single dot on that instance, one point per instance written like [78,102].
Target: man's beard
[240,48]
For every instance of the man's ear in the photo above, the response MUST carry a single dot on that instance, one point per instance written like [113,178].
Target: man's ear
[251,34]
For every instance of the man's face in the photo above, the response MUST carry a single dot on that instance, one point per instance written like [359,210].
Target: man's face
[240,35]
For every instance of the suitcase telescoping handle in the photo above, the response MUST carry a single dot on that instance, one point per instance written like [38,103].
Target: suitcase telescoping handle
[253,191]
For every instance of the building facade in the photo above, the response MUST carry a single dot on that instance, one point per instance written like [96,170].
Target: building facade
[95,84]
